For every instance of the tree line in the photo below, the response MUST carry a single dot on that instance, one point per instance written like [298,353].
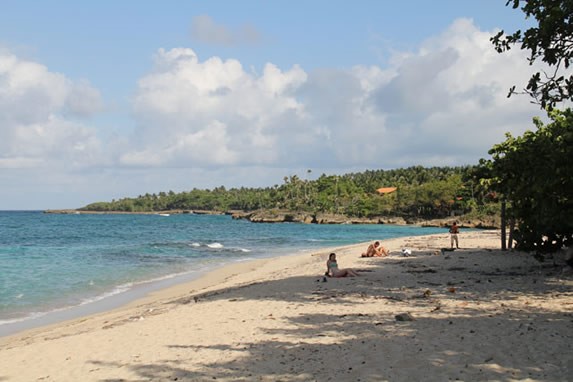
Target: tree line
[433,192]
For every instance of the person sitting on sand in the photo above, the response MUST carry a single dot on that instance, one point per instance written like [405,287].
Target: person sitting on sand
[334,271]
[375,249]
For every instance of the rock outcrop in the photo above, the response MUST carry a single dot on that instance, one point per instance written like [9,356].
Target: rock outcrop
[277,216]
[281,216]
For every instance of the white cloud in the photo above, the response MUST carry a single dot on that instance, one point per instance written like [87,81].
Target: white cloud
[83,100]
[34,131]
[204,29]
[442,105]
[208,122]
[447,102]
[191,113]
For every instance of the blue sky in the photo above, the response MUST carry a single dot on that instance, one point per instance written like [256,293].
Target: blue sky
[107,99]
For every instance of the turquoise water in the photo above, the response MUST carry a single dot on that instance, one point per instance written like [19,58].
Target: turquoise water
[50,262]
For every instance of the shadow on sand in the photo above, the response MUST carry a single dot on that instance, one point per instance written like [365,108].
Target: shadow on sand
[452,345]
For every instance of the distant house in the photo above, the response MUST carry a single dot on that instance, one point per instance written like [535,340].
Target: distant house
[386,190]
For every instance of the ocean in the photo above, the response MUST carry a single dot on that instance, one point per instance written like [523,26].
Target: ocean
[54,267]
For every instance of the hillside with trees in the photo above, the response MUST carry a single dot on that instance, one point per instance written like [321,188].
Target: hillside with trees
[420,192]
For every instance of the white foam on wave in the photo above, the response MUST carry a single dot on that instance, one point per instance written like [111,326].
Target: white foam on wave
[215,245]
[245,259]
[195,244]
[20,319]
[117,290]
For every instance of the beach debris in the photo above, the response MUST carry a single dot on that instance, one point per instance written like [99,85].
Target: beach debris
[438,307]
[452,290]
[427,293]
[406,252]
[404,317]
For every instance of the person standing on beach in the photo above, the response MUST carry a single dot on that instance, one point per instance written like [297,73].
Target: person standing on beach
[454,231]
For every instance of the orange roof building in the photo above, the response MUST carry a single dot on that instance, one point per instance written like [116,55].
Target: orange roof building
[386,190]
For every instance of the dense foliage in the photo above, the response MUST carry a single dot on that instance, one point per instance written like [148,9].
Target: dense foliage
[423,192]
[534,173]
[550,41]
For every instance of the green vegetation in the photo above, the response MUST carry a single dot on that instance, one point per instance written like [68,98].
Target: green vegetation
[550,41]
[421,192]
[534,173]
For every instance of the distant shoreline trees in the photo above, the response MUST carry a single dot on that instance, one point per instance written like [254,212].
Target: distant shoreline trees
[434,192]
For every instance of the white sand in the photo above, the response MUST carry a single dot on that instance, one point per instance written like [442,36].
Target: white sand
[479,315]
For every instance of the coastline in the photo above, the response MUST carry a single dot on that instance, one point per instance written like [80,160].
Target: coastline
[275,318]
[268,216]
[102,304]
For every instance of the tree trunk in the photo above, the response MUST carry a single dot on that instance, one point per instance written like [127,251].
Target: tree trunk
[511,229]
[503,241]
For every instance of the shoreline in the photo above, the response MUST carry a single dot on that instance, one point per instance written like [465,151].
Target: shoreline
[99,305]
[142,294]
[275,318]
[493,222]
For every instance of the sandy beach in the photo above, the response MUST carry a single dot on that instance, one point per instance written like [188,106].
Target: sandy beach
[474,314]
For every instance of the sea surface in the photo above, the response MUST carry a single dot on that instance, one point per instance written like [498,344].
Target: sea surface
[59,266]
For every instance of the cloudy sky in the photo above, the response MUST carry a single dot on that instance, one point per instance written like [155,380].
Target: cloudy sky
[108,99]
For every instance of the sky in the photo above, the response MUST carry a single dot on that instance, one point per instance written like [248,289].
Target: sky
[104,99]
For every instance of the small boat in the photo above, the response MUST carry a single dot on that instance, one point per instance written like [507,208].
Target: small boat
[164,215]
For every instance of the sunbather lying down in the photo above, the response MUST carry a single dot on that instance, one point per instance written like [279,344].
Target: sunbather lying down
[375,249]
[334,271]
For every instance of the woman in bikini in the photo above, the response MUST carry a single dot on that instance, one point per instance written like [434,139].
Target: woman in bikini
[334,271]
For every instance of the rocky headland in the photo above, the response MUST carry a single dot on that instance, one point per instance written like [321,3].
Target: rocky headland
[280,216]
[325,218]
